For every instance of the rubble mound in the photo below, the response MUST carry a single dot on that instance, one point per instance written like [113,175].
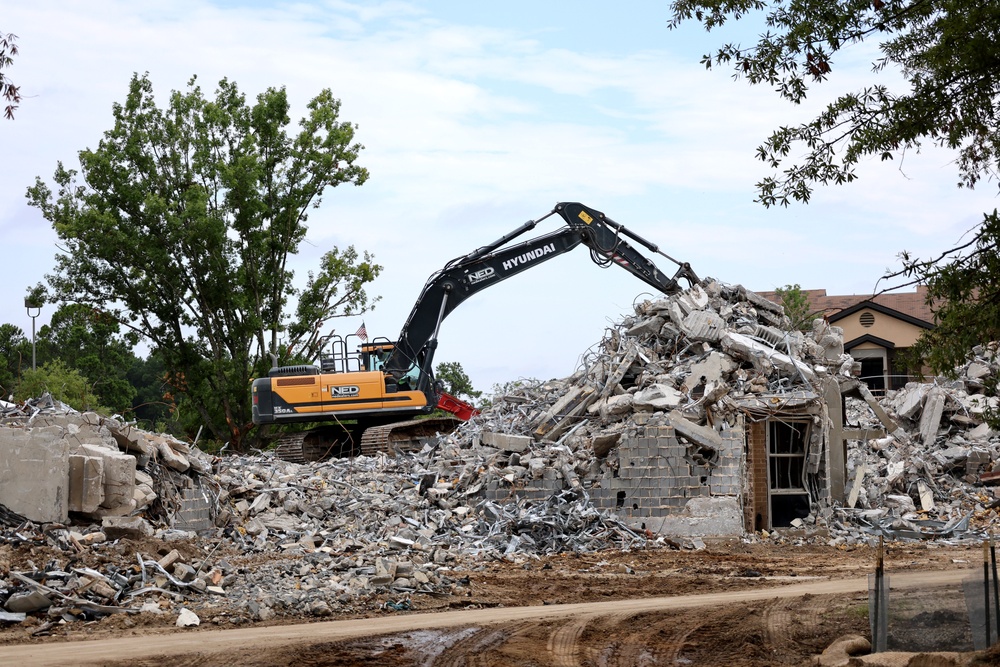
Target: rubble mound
[680,425]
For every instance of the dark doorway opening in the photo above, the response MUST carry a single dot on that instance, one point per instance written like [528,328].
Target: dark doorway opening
[873,374]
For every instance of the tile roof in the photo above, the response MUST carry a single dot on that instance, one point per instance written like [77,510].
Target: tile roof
[913,304]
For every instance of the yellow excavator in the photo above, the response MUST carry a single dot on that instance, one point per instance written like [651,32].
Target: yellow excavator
[367,396]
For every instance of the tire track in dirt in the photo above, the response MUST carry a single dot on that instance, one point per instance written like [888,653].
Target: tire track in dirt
[646,639]
[564,642]
[469,648]
[786,620]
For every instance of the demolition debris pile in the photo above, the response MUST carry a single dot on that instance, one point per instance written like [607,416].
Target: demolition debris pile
[936,475]
[252,537]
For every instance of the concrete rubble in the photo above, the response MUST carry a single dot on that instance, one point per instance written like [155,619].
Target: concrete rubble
[55,460]
[941,478]
[658,439]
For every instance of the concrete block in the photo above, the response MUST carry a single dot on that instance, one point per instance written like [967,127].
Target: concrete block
[168,561]
[647,327]
[34,473]
[703,326]
[930,420]
[658,397]
[911,401]
[89,434]
[28,603]
[195,512]
[86,483]
[977,370]
[132,440]
[128,527]
[981,432]
[616,405]
[506,442]
[119,476]
[701,435]
[711,369]
[172,459]
[603,444]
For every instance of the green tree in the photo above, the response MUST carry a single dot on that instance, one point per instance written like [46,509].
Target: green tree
[64,383]
[88,340]
[947,53]
[10,92]
[184,226]
[15,350]
[456,382]
[153,404]
[796,305]
[966,295]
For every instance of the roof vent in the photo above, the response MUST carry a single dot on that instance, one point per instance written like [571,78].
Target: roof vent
[866,319]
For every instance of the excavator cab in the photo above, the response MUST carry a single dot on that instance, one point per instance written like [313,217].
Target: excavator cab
[374,354]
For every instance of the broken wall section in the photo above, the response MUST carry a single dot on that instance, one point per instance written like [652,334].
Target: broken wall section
[653,480]
[55,461]
[673,488]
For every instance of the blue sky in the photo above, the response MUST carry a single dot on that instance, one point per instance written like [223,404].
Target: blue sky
[477,117]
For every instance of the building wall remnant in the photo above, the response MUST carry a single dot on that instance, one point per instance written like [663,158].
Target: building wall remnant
[660,483]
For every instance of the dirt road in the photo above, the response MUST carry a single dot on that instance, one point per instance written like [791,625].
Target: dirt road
[635,632]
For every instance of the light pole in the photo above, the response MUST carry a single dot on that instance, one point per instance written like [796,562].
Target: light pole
[32,304]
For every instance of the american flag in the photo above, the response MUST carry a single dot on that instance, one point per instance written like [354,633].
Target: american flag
[362,332]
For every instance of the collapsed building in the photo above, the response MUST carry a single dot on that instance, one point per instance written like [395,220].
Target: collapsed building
[57,463]
[701,415]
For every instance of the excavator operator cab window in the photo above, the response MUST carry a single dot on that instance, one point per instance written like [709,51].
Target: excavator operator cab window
[372,356]
[411,378]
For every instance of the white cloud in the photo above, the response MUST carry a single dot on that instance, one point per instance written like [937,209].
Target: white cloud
[471,129]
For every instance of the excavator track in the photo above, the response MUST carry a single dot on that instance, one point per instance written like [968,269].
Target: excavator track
[407,436]
[310,446]
[320,444]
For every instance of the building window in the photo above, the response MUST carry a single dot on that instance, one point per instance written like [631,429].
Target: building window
[786,468]
[866,319]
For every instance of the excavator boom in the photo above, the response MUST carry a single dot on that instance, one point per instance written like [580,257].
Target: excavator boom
[490,264]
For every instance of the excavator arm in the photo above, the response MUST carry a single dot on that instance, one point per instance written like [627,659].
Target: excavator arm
[488,265]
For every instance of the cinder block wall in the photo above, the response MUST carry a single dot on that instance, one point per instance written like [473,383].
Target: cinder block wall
[652,478]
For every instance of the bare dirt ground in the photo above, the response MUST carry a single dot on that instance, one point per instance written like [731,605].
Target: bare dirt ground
[726,605]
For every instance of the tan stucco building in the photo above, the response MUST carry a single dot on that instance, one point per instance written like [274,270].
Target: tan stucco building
[877,330]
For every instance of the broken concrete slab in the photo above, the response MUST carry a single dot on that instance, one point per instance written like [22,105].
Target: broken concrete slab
[172,459]
[750,350]
[128,527]
[930,420]
[506,441]
[86,483]
[34,472]
[701,435]
[704,326]
[658,397]
[119,475]
[26,603]
[713,369]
